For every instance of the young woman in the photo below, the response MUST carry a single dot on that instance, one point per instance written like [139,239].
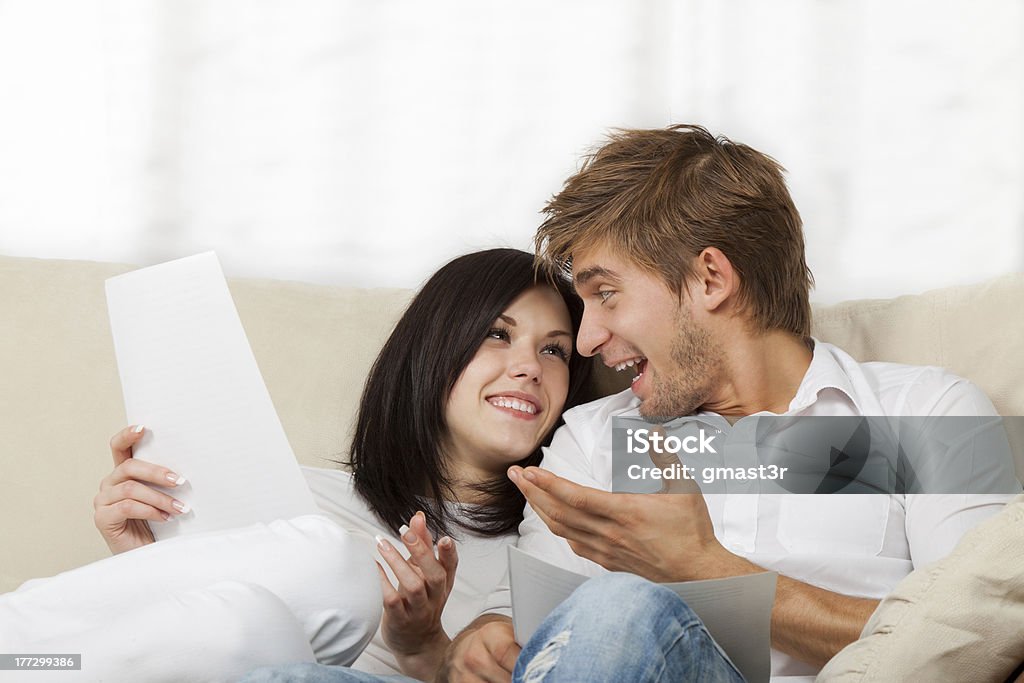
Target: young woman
[473,379]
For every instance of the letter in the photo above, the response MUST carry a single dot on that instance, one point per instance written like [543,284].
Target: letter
[640,436]
[656,442]
[705,444]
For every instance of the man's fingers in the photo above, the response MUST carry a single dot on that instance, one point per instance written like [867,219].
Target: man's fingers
[506,657]
[122,442]
[662,458]
[598,554]
[665,459]
[490,659]
[567,518]
[582,498]
[482,668]
[483,652]
[503,649]
[581,529]
[552,513]
[680,486]
[575,534]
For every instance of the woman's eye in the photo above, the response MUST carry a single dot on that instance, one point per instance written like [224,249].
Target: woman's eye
[498,333]
[556,350]
[605,294]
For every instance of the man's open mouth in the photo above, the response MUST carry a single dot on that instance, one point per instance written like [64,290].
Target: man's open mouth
[639,362]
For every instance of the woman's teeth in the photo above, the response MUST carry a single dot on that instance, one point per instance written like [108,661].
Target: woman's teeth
[521,406]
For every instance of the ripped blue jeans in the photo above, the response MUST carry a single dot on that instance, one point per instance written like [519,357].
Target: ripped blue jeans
[619,627]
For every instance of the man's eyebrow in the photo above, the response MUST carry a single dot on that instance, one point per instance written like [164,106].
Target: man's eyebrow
[581,278]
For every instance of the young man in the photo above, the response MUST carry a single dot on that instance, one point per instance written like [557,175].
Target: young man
[688,253]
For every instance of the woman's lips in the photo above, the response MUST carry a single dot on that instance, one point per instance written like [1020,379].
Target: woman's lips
[516,404]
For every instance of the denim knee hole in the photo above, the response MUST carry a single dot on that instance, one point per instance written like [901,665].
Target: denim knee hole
[545,660]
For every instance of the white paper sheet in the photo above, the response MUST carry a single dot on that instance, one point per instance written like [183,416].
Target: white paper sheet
[736,610]
[188,374]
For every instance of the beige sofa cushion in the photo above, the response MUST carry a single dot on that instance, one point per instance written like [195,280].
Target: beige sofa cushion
[60,398]
[973,331]
[958,619]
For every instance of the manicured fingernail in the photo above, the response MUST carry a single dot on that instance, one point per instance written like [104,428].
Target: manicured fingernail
[513,474]
[176,479]
[380,541]
[407,535]
[421,514]
[138,429]
[445,542]
[165,515]
[530,475]
[183,508]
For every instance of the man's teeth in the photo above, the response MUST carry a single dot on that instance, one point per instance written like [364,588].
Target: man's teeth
[628,364]
[522,406]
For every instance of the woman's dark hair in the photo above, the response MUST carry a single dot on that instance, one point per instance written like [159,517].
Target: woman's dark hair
[396,458]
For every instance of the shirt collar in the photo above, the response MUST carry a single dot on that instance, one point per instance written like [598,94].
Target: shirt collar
[824,372]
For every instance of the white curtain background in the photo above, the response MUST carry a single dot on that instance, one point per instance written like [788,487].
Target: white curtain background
[366,142]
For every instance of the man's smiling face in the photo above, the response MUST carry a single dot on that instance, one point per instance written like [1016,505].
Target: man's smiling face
[634,320]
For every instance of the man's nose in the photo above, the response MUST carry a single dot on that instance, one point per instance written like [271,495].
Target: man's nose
[591,337]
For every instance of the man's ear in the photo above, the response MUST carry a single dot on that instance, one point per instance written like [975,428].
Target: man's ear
[715,280]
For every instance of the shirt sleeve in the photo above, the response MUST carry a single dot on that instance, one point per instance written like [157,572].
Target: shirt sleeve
[935,522]
[569,458]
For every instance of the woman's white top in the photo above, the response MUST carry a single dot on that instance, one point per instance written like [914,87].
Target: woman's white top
[482,560]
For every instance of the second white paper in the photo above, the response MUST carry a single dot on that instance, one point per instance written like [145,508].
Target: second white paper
[736,610]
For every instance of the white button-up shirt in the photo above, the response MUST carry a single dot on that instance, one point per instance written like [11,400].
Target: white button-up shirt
[858,545]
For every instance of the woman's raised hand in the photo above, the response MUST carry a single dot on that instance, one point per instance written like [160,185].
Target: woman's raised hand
[411,624]
[125,500]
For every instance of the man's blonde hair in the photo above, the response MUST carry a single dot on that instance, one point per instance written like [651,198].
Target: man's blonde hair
[660,197]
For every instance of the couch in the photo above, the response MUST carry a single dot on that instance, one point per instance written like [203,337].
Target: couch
[60,397]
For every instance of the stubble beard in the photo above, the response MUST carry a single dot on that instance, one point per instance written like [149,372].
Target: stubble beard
[685,387]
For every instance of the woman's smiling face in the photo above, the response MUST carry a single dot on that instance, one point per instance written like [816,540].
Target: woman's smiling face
[511,393]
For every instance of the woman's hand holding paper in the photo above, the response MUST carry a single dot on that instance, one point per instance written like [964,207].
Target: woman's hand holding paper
[126,501]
